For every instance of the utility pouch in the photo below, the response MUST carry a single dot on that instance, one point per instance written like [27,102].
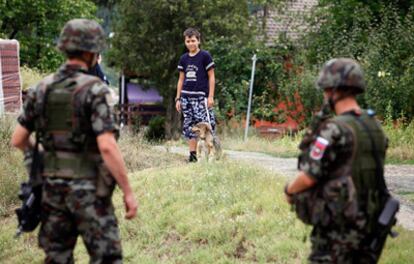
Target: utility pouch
[386,221]
[310,207]
[387,216]
[333,202]
[105,182]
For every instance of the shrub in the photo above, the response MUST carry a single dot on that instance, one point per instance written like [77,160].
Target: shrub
[30,77]
[156,129]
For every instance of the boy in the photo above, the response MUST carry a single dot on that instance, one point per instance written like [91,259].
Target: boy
[195,88]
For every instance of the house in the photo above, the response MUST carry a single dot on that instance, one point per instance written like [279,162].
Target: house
[10,80]
[138,103]
[290,21]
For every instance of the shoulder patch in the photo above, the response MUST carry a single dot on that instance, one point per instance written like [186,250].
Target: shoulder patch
[319,148]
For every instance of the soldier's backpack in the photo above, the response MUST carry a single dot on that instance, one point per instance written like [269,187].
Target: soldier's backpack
[71,150]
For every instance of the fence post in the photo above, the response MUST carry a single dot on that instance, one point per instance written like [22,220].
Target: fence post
[246,131]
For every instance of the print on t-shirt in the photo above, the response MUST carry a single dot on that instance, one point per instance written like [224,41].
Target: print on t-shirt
[191,73]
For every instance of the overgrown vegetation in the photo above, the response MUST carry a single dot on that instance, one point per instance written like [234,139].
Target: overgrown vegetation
[199,213]
[400,150]
[379,34]
[30,77]
[156,129]
[37,24]
[12,170]
[283,146]
[401,142]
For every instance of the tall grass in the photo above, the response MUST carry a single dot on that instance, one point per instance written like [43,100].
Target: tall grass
[139,154]
[400,150]
[222,212]
[30,77]
[284,146]
[401,143]
[12,170]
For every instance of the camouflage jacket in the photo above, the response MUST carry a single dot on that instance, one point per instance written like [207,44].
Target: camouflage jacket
[330,155]
[328,160]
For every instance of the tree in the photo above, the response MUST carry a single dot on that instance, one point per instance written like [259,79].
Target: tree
[148,38]
[379,34]
[37,24]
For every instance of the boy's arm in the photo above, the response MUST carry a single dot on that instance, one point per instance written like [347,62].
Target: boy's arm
[179,88]
[212,86]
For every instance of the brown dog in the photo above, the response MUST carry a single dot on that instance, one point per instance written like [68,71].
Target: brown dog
[207,144]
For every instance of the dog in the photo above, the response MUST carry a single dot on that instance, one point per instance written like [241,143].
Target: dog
[207,145]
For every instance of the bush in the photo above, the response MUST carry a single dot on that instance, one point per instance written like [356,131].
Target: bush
[156,129]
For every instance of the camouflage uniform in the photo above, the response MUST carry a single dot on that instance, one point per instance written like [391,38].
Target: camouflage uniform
[71,204]
[337,149]
[327,157]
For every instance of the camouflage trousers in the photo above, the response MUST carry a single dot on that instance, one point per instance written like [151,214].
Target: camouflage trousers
[351,246]
[71,208]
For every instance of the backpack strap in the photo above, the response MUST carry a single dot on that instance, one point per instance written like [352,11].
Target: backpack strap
[379,170]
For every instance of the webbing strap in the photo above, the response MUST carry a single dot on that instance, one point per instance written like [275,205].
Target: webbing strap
[70,165]
[35,159]
[379,171]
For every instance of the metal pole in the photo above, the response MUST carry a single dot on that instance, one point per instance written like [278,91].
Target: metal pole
[246,131]
[122,99]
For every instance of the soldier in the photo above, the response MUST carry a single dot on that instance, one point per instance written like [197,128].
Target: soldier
[70,112]
[340,188]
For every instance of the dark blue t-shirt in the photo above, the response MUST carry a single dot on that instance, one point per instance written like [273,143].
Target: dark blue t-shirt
[195,70]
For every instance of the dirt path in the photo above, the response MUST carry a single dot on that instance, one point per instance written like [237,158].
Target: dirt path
[399,178]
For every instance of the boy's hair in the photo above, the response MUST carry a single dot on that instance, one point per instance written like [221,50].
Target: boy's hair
[189,32]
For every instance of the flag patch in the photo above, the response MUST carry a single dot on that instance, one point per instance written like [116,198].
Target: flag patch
[319,148]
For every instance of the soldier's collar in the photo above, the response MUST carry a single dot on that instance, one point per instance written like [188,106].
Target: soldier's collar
[75,67]
[353,112]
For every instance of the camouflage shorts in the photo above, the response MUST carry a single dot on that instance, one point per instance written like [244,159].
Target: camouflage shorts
[71,208]
[332,246]
[194,111]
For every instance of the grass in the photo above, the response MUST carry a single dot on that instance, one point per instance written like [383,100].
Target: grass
[196,214]
[12,170]
[407,196]
[400,150]
[401,142]
[137,153]
[30,77]
[225,212]
[202,213]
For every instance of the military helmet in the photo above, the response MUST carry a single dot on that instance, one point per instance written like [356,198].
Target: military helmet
[81,35]
[341,73]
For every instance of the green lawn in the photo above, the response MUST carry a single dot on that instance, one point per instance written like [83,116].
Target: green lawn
[222,212]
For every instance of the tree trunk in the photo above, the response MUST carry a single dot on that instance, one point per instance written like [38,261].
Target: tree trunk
[173,118]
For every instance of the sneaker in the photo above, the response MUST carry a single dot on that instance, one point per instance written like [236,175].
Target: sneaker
[193,157]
